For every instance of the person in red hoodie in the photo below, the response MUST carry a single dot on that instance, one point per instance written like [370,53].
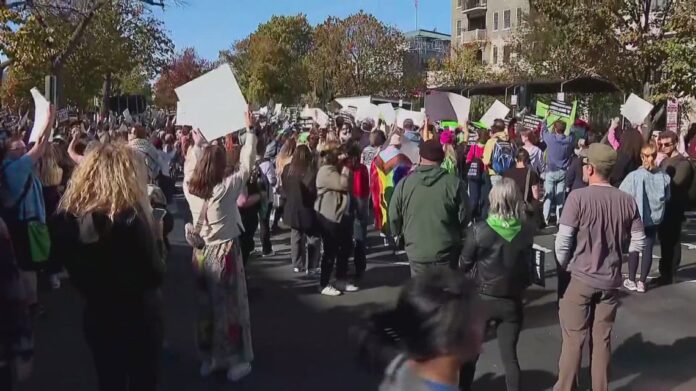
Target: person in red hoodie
[359,200]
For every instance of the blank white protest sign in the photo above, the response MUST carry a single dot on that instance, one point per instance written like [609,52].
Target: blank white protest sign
[42,114]
[212,103]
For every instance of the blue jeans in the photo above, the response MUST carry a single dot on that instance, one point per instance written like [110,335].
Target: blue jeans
[554,191]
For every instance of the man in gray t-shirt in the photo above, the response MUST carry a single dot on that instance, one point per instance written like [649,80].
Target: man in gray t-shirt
[595,222]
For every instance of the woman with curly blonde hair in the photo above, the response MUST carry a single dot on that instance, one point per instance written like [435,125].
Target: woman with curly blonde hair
[109,245]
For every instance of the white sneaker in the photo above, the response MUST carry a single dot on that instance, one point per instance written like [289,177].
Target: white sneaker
[238,372]
[640,287]
[345,286]
[207,368]
[630,285]
[330,291]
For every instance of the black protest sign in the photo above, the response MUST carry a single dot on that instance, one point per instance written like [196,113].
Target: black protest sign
[538,273]
[532,122]
[560,109]
[63,115]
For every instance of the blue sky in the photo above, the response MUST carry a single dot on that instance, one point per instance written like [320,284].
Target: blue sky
[213,25]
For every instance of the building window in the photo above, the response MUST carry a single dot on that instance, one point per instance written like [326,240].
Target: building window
[519,16]
[459,3]
[495,21]
[459,28]
[506,19]
[506,54]
[495,54]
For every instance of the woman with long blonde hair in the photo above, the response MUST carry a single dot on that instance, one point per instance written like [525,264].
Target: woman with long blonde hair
[51,175]
[650,187]
[108,242]
[223,328]
[282,160]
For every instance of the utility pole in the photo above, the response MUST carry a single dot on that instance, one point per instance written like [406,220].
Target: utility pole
[416,4]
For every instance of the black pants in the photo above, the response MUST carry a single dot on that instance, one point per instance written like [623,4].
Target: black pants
[646,264]
[265,229]
[126,346]
[506,313]
[485,191]
[475,188]
[338,242]
[669,234]
[278,214]
[6,377]
[250,220]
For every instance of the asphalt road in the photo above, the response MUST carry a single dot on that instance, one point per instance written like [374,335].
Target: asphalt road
[301,342]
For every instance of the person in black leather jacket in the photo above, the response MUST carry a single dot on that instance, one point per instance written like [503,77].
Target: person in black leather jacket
[498,254]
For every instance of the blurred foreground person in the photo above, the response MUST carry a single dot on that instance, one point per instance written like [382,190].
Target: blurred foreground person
[223,327]
[107,239]
[498,252]
[436,327]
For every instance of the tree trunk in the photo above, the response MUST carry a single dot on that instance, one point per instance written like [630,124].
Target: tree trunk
[106,94]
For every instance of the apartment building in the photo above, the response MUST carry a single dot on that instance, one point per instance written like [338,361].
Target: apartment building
[488,24]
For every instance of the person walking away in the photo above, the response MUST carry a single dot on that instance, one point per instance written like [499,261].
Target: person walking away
[595,222]
[628,156]
[498,252]
[574,177]
[438,319]
[559,148]
[529,183]
[536,155]
[108,241]
[51,175]
[267,172]
[431,209]
[650,188]
[16,335]
[333,211]
[21,196]
[389,167]
[282,160]
[252,204]
[377,140]
[137,139]
[448,141]
[476,174]
[223,328]
[669,232]
[411,140]
[498,156]
[359,200]
[300,189]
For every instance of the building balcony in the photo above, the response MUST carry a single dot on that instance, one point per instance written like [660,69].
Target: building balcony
[474,6]
[473,36]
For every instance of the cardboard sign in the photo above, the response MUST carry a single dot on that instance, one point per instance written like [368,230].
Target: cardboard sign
[368,111]
[560,108]
[387,113]
[212,103]
[402,115]
[531,122]
[317,115]
[63,115]
[497,111]
[635,110]
[42,115]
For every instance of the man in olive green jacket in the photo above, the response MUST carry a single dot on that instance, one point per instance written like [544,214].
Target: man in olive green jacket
[430,208]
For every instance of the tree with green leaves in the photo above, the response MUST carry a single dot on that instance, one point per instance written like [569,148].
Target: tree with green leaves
[82,43]
[643,46]
[463,67]
[358,55]
[270,64]
[181,69]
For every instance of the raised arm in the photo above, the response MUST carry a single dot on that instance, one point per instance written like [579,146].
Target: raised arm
[611,134]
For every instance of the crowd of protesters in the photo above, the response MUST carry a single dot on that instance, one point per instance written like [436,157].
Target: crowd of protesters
[93,204]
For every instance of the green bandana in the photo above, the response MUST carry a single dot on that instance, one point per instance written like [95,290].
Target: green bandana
[508,229]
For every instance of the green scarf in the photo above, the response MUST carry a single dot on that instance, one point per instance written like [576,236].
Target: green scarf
[507,228]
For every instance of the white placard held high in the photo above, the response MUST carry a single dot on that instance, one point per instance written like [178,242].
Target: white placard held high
[387,113]
[212,103]
[417,117]
[636,109]
[42,114]
[496,111]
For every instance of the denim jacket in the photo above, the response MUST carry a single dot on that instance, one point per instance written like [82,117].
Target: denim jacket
[651,192]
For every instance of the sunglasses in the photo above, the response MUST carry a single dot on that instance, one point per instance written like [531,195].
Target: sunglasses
[665,144]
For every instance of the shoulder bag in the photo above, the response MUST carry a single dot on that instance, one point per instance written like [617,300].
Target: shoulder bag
[193,233]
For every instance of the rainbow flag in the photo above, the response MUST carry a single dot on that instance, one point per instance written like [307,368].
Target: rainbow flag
[384,176]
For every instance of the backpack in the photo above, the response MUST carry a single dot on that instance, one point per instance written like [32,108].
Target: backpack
[503,157]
